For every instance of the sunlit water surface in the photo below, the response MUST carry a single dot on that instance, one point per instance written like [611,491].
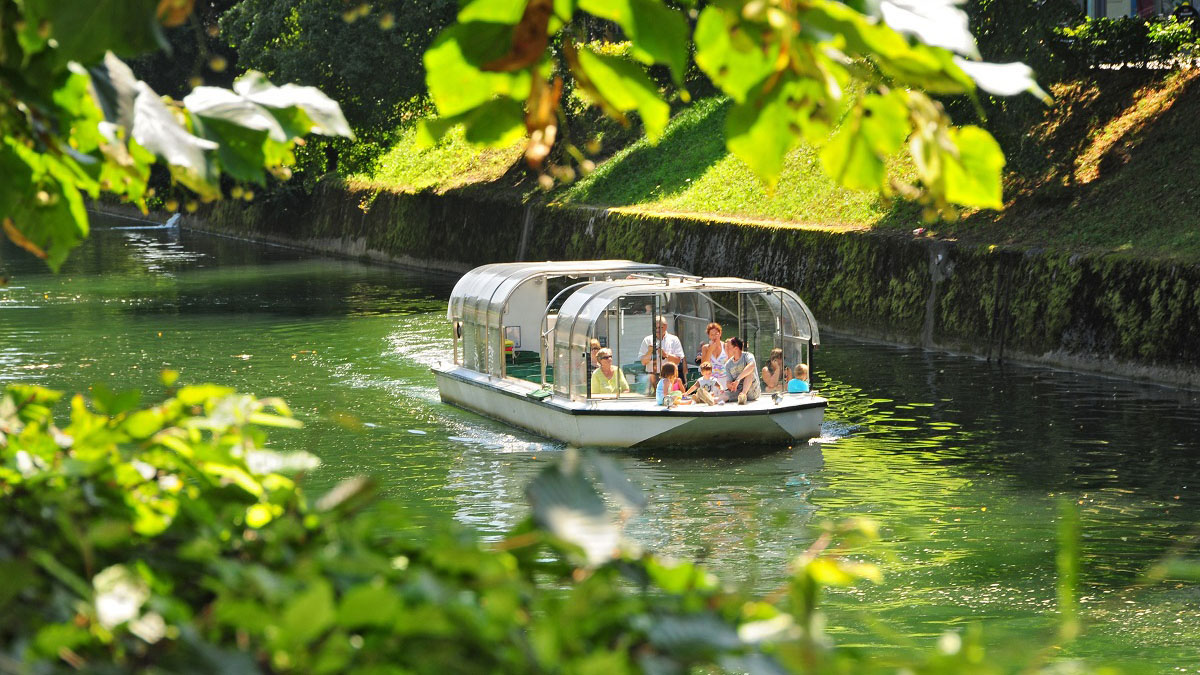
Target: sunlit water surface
[961,462]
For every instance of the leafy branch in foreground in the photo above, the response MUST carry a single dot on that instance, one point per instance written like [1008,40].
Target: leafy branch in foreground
[168,538]
[856,78]
[76,123]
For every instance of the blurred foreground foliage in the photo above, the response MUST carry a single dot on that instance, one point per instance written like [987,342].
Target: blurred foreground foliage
[170,538]
[76,124]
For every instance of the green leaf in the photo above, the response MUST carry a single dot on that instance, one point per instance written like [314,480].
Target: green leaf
[144,423]
[826,572]
[658,33]
[201,393]
[453,68]
[240,151]
[430,131]
[497,123]
[885,122]
[973,178]
[563,11]
[80,115]
[492,11]
[128,27]
[308,614]
[244,614]
[761,131]
[15,576]
[876,129]
[40,203]
[268,420]
[368,605]
[849,160]
[626,87]
[108,402]
[735,67]
[693,636]
[52,639]
[258,515]
[235,475]
[679,577]
[910,64]
[32,393]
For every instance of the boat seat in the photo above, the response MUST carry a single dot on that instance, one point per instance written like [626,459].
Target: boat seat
[526,365]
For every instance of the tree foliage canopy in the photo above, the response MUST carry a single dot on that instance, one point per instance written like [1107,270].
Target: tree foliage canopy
[790,66]
[76,122]
[366,57]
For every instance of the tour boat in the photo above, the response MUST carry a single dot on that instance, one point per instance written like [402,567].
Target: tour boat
[522,335]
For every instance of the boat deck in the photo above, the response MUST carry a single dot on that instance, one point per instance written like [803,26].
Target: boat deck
[634,403]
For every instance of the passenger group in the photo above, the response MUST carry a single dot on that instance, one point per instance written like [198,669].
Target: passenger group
[727,371]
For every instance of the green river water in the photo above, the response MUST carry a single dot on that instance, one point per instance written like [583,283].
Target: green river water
[961,462]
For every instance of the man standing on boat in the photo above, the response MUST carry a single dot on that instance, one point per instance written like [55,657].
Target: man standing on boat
[742,372]
[665,349]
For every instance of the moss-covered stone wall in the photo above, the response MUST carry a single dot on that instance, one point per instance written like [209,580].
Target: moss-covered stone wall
[1105,313]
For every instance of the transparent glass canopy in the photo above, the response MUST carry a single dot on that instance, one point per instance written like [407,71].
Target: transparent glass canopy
[542,318]
[620,314]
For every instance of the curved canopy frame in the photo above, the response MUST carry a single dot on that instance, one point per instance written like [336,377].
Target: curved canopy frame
[478,301]
[487,287]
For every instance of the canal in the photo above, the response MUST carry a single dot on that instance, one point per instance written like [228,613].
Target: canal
[961,462]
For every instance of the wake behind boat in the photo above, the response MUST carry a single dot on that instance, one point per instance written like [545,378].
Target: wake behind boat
[524,335]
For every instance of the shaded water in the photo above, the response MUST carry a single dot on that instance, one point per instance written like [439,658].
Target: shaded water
[961,462]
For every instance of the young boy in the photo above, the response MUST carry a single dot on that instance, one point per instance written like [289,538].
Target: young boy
[707,389]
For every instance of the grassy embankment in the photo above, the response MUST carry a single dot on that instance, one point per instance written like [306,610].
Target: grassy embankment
[1112,166]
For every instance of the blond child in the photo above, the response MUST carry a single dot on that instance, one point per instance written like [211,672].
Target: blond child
[799,382]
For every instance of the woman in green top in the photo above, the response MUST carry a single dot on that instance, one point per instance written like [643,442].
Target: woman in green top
[607,379]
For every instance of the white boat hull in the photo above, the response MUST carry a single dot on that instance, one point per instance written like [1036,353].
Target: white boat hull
[633,422]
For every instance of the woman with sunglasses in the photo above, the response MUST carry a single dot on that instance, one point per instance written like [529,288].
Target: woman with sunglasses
[607,379]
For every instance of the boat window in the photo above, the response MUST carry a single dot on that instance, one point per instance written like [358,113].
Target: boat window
[629,320]
[474,347]
[760,325]
[722,308]
[572,358]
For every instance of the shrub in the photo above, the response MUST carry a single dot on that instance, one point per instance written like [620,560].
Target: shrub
[1122,41]
[168,539]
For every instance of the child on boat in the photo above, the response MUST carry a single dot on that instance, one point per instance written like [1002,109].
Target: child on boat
[707,389]
[670,388]
[799,382]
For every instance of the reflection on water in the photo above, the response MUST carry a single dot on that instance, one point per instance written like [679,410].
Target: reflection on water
[962,462]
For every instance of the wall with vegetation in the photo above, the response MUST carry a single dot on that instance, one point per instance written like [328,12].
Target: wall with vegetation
[1105,313]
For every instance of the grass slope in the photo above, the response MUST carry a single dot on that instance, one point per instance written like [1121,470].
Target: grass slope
[450,164]
[1120,175]
[690,171]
